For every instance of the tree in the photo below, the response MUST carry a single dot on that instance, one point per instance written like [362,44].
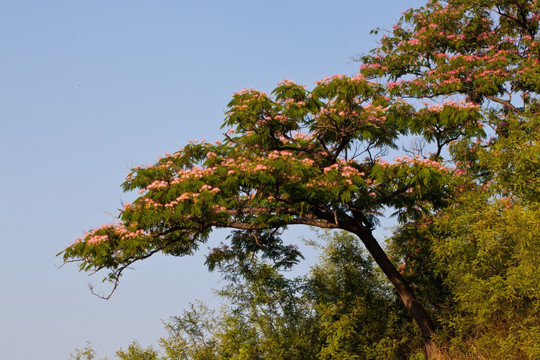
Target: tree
[267,174]
[474,260]
[485,52]
[88,353]
[265,316]
[137,352]
[358,314]
[314,157]
[337,311]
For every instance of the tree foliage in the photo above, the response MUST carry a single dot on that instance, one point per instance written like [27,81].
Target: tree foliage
[448,74]
[87,353]
[337,311]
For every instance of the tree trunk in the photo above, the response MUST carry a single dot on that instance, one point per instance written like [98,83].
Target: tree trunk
[416,309]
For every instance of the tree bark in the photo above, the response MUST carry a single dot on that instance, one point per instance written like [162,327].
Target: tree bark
[416,309]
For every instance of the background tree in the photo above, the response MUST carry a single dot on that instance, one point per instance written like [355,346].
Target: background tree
[359,315]
[487,53]
[339,310]
[482,249]
[137,352]
[88,353]
[488,245]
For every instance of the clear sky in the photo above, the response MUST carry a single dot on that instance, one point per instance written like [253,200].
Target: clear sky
[89,89]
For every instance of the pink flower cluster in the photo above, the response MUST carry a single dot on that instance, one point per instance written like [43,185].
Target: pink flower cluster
[193,173]
[191,195]
[375,66]
[301,136]
[118,230]
[345,170]
[158,184]
[181,198]
[382,162]
[210,188]
[121,230]
[329,79]
[288,82]
[96,239]
[277,154]
[462,104]
[425,162]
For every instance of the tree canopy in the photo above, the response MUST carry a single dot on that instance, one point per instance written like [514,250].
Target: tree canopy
[447,73]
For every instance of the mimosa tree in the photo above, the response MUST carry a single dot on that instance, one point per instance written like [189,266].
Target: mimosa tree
[317,156]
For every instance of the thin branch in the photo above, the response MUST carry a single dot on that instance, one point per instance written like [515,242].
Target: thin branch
[104,297]
[395,194]
[506,103]
[298,221]
[118,272]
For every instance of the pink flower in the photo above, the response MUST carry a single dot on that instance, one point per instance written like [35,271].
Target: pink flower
[96,239]
[182,197]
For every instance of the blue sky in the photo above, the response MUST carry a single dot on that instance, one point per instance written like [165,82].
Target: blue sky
[89,89]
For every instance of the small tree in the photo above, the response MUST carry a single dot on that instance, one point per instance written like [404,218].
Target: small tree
[313,157]
[136,352]
[88,353]
[339,310]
